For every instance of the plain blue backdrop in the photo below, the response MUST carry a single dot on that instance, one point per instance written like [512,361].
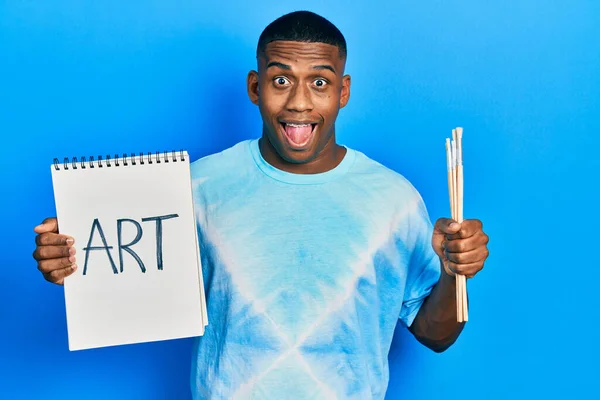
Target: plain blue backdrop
[522,78]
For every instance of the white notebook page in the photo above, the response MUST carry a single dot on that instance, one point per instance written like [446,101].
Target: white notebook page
[152,289]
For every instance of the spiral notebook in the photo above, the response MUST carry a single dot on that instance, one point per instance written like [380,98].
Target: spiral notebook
[139,277]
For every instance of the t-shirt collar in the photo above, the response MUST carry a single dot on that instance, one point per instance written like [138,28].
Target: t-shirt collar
[300,179]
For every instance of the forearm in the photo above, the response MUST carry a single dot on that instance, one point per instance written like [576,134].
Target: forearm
[436,326]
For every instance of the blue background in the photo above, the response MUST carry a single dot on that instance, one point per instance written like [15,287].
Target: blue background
[522,78]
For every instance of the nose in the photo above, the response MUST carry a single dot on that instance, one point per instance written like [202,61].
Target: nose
[300,99]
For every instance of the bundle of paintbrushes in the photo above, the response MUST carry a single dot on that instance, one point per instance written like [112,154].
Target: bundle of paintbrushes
[455,189]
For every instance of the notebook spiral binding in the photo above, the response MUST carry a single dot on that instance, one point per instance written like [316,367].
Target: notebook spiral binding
[117,161]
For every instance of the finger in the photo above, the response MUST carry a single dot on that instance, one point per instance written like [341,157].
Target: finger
[447,226]
[59,275]
[53,239]
[48,225]
[47,266]
[48,252]
[468,257]
[468,228]
[466,269]
[447,269]
[463,245]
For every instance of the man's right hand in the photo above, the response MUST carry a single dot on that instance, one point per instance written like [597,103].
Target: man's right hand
[54,253]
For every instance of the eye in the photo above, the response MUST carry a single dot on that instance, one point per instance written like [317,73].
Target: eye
[320,83]
[280,81]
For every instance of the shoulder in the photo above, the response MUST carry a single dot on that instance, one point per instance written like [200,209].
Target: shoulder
[215,176]
[372,174]
[230,160]
[394,193]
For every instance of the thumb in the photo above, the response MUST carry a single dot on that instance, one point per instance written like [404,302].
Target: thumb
[48,225]
[446,226]
[442,228]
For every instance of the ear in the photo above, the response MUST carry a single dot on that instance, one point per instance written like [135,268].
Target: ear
[345,91]
[252,86]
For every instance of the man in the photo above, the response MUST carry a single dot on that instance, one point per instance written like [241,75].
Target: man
[311,252]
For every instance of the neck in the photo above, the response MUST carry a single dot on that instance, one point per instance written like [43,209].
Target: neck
[325,160]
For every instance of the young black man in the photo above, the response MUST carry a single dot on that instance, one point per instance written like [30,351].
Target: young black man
[311,251]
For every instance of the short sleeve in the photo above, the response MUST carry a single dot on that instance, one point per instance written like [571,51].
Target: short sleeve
[424,268]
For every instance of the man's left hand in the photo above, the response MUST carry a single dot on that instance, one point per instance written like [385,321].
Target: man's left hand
[462,247]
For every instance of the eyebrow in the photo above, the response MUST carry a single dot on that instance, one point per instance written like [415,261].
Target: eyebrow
[321,67]
[278,64]
[287,67]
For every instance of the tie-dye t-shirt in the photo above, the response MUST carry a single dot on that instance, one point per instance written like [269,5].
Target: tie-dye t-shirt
[306,276]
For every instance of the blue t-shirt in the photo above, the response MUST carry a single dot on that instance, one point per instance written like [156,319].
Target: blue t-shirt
[305,276]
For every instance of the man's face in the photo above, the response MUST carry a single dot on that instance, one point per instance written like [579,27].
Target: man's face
[299,88]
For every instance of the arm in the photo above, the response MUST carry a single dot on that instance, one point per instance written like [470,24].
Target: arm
[462,249]
[436,324]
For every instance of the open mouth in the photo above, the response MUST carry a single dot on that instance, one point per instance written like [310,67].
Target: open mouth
[298,134]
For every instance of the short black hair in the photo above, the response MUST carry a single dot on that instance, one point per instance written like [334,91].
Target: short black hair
[302,26]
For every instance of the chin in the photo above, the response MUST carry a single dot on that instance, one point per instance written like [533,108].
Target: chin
[297,153]
[293,154]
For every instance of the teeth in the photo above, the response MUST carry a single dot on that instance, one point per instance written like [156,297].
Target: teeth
[298,125]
